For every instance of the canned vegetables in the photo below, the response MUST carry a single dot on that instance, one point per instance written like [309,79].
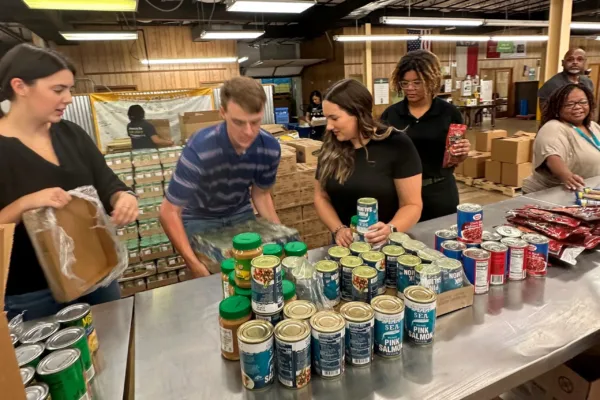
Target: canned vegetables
[469,218]
[299,309]
[356,248]
[74,337]
[292,342]
[376,259]
[336,253]
[39,332]
[328,274]
[347,265]
[267,286]
[452,273]
[63,373]
[477,269]
[29,354]
[364,284]
[406,272]
[360,325]
[367,211]
[391,252]
[328,343]
[80,315]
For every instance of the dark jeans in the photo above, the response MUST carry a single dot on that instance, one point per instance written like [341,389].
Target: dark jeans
[41,303]
[195,226]
[439,199]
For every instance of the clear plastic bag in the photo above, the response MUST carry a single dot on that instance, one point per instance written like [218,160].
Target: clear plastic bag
[308,285]
[76,246]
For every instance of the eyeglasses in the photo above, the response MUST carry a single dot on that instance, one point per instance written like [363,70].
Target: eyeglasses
[415,84]
[571,105]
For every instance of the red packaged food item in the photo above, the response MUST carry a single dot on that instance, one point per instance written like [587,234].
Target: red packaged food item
[584,213]
[456,132]
[559,250]
[551,230]
[547,216]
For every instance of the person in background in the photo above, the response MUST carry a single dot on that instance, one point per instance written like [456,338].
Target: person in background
[315,110]
[573,72]
[211,185]
[566,149]
[364,158]
[142,133]
[41,158]
[426,120]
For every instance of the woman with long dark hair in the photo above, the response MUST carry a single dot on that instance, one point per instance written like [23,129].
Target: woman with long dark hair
[567,147]
[364,158]
[41,158]
[315,110]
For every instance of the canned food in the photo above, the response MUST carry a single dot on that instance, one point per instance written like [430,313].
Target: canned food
[39,391]
[389,325]
[469,218]
[348,264]
[39,332]
[74,337]
[517,258]
[441,236]
[328,343]
[429,276]
[61,370]
[419,320]
[413,246]
[477,269]
[15,325]
[498,255]
[366,209]
[391,252]
[27,375]
[328,273]
[488,236]
[299,309]
[29,354]
[255,340]
[508,231]
[80,315]
[428,255]
[360,324]
[292,343]
[291,263]
[452,273]
[267,286]
[406,272]
[274,318]
[336,253]
[398,238]
[357,248]
[14,339]
[454,228]
[376,259]
[453,249]
[537,258]
[364,284]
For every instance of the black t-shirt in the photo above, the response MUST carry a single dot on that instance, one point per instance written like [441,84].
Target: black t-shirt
[392,158]
[428,133]
[141,133]
[315,111]
[22,172]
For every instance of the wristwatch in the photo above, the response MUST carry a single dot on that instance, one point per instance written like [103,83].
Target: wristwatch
[392,228]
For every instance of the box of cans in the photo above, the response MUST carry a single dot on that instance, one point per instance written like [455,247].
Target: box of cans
[144,158]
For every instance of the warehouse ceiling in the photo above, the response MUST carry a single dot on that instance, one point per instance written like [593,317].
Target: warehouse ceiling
[283,28]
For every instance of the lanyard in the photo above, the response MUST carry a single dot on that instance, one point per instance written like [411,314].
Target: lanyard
[593,140]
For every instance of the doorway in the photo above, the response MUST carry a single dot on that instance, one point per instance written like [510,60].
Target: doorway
[502,90]
[594,75]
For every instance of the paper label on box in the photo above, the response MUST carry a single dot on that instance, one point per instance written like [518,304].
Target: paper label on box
[155,156]
[117,162]
[109,163]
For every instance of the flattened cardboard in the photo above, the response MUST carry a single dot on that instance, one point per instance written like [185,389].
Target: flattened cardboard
[192,122]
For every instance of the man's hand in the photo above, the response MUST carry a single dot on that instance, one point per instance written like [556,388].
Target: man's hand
[198,269]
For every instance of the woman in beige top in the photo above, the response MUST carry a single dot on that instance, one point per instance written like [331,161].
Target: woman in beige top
[567,147]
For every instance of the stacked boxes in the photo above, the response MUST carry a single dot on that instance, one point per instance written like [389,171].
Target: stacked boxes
[511,159]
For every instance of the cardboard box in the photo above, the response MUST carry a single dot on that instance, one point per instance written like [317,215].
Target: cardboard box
[130,288]
[493,171]
[317,240]
[160,280]
[293,199]
[287,163]
[313,226]
[460,169]
[309,212]
[302,178]
[455,299]
[289,216]
[513,150]
[163,128]
[192,122]
[474,165]
[273,129]
[306,150]
[483,140]
[577,379]
[514,174]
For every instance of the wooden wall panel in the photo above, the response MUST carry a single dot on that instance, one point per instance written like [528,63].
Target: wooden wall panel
[118,62]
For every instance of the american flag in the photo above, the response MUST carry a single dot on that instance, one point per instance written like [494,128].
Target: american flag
[418,44]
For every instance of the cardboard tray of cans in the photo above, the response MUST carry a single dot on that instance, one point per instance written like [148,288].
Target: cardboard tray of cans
[456,299]
[118,161]
[125,175]
[161,280]
[150,227]
[156,246]
[168,264]
[133,250]
[144,158]
[168,170]
[132,287]
[148,174]
[149,208]
[138,271]
[169,154]
[148,190]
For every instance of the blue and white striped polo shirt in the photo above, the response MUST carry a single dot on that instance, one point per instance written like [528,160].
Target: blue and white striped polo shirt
[212,181]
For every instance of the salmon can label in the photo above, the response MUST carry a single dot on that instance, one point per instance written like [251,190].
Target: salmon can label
[257,365]
[328,352]
[359,342]
[388,334]
[419,321]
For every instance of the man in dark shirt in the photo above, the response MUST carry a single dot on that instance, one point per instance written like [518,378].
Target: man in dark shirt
[573,69]
[142,133]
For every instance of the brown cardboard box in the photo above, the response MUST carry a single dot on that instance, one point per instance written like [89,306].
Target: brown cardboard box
[313,226]
[513,150]
[290,216]
[273,129]
[292,199]
[303,178]
[192,122]
[577,379]
[10,378]
[460,169]
[474,165]
[163,127]
[160,280]
[306,150]
[456,299]
[317,240]
[483,140]
[287,163]
[514,174]
[493,171]
[309,212]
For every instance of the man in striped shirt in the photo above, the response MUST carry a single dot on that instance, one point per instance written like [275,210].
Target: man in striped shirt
[210,188]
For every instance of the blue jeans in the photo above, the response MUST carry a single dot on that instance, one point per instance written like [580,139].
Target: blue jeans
[41,303]
[195,226]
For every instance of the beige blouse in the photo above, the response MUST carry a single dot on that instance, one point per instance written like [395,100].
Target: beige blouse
[558,138]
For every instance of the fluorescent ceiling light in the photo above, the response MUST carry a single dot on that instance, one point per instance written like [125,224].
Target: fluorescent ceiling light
[431,21]
[522,38]
[507,22]
[243,59]
[116,35]
[585,25]
[438,38]
[161,61]
[374,38]
[454,38]
[268,6]
[85,5]
[231,34]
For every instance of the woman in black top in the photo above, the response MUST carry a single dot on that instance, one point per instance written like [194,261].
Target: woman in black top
[41,158]
[363,158]
[315,110]
[426,119]
[142,133]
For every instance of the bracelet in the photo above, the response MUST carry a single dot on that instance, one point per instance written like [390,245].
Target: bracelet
[339,228]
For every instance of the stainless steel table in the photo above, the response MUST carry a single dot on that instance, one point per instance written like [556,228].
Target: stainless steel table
[509,336]
[559,195]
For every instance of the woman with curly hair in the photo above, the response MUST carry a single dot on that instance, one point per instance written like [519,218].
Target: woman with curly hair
[426,118]
[361,157]
[567,147]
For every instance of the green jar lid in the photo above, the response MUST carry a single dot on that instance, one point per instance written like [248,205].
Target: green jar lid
[232,278]
[227,265]
[272,249]
[243,292]
[354,220]
[235,307]
[297,249]
[289,289]
[247,241]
